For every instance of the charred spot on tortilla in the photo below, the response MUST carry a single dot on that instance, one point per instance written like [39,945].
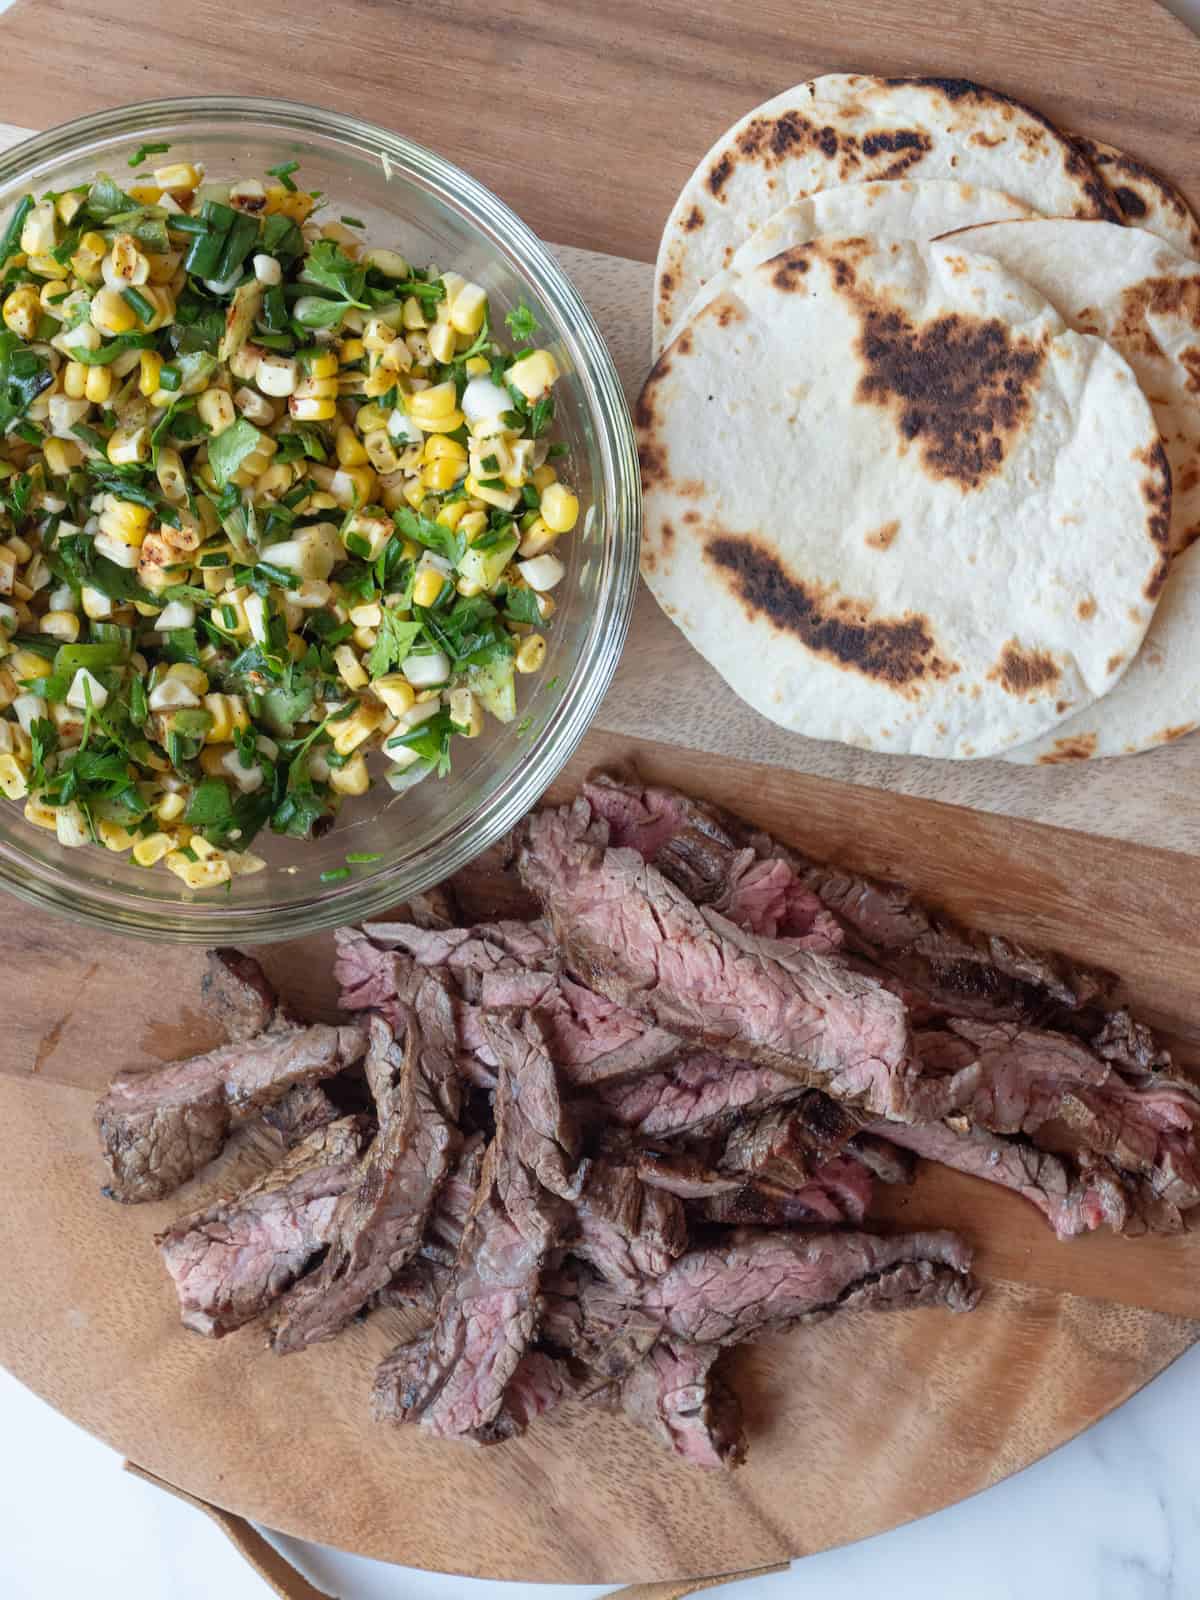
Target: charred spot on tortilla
[1169,735]
[881,538]
[1156,491]
[683,345]
[693,220]
[1086,609]
[1190,360]
[719,175]
[691,517]
[1022,672]
[960,387]
[667,535]
[690,489]
[652,459]
[899,652]
[790,268]
[1079,747]
[1113,664]
[727,311]
[1130,202]
[985,141]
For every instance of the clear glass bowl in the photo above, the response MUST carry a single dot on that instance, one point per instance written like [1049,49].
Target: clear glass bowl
[430,210]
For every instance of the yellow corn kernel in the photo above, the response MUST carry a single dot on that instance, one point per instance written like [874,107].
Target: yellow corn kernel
[414,493]
[146,194]
[172,479]
[324,365]
[207,874]
[312,410]
[40,814]
[62,625]
[438,448]
[466,713]
[48,267]
[396,693]
[429,584]
[111,314]
[215,409]
[472,524]
[439,400]
[60,456]
[22,310]
[89,253]
[353,778]
[68,207]
[172,806]
[13,784]
[538,538]
[504,499]
[365,721]
[38,234]
[350,351]
[349,447]
[533,374]
[468,310]
[27,664]
[162,300]
[129,445]
[177,177]
[125,265]
[98,386]
[212,760]
[113,836]
[151,370]
[289,203]
[52,296]
[559,508]
[413,317]
[229,715]
[543,477]
[164,266]
[195,678]
[74,380]
[350,668]
[450,516]
[531,652]
[353,485]
[125,522]
[151,849]
[439,476]
[442,340]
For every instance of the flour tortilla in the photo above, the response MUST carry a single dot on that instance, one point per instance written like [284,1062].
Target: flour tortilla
[880,480]
[1143,198]
[846,128]
[900,209]
[1144,298]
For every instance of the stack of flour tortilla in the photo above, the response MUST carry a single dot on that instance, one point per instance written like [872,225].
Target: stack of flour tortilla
[921,447]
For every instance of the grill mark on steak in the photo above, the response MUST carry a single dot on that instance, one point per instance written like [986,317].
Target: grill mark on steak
[629,932]
[380,1220]
[488,1316]
[625,1229]
[158,1128]
[234,1258]
[302,1111]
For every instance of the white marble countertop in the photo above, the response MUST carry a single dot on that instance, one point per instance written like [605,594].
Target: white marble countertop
[1111,1516]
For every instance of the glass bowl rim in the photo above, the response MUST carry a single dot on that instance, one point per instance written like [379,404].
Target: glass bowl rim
[601,394]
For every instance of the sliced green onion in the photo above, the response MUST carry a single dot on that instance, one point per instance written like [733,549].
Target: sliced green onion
[284,173]
[135,299]
[144,150]
[170,378]
[334,874]
[359,858]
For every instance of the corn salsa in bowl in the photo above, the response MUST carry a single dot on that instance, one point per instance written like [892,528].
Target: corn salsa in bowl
[273,501]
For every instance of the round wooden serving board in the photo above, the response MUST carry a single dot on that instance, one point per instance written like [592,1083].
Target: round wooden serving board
[856,1425]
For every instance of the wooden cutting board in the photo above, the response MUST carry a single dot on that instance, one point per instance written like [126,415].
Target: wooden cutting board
[587,118]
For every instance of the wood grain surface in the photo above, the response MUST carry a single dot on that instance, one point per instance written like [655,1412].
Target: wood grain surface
[1065,1331]
[587,118]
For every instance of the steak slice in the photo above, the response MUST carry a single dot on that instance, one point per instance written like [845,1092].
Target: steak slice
[380,1220]
[756,1282]
[488,1315]
[678,1397]
[692,1093]
[624,1228]
[236,993]
[424,1280]
[1072,1205]
[230,1261]
[539,1383]
[629,932]
[158,1128]
[301,1111]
